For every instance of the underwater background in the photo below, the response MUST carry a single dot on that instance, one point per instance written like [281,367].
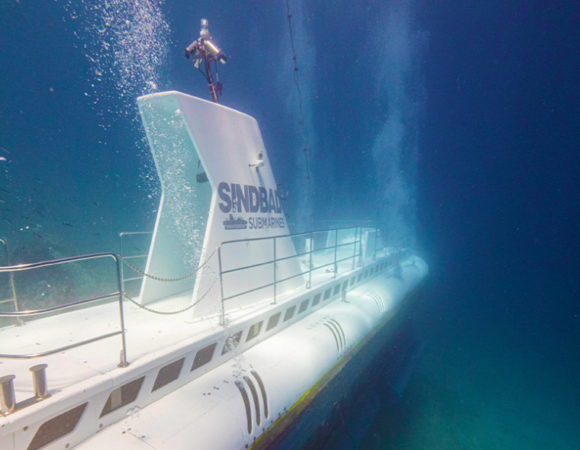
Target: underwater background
[454,125]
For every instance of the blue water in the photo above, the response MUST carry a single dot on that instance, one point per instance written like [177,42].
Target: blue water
[453,124]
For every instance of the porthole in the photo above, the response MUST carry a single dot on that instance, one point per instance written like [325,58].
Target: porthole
[254,331]
[231,342]
[316,300]
[352,281]
[336,289]
[122,396]
[168,373]
[303,306]
[273,321]
[203,356]
[57,427]
[289,313]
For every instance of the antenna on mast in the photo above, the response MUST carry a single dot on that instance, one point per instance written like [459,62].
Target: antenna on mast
[204,49]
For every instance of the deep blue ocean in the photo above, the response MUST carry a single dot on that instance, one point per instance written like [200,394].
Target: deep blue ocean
[454,125]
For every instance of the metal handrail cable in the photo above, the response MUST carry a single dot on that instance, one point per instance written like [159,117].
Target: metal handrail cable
[170,313]
[170,280]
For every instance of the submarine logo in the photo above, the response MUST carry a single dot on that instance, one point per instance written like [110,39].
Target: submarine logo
[235,224]
[238,199]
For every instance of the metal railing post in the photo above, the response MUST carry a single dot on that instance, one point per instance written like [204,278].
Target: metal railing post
[309,285]
[360,258]
[308,250]
[122,255]
[376,237]
[274,270]
[19,321]
[123,362]
[335,250]
[223,318]
[122,234]
[384,246]
[354,249]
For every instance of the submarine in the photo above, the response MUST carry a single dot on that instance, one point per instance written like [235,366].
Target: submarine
[241,334]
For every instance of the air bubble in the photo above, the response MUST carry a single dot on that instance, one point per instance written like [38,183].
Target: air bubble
[126,41]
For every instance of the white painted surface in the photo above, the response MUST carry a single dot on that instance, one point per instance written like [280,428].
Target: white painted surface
[184,207]
[227,143]
[290,358]
[289,364]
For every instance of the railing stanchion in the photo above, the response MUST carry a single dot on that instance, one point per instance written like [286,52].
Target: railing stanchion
[122,255]
[335,250]
[308,250]
[19,321]
[274,270]
[223,318]
[123,362]
[309,285]
[354,247]
[360,258]
[376,237]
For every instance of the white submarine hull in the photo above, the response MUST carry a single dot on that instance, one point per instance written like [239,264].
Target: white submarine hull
[213,413]
[267,321]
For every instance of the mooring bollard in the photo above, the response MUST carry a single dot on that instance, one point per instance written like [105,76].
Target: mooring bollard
[7,400]
[39,381]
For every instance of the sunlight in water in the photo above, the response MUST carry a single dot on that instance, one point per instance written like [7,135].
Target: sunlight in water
[395,149]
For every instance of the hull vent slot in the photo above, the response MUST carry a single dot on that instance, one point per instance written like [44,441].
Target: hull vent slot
[256,400]
[338,333]
[378,300]
[335,336]
[249,383]
[246,400]
[335,328]
[341,331]
[263,391]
